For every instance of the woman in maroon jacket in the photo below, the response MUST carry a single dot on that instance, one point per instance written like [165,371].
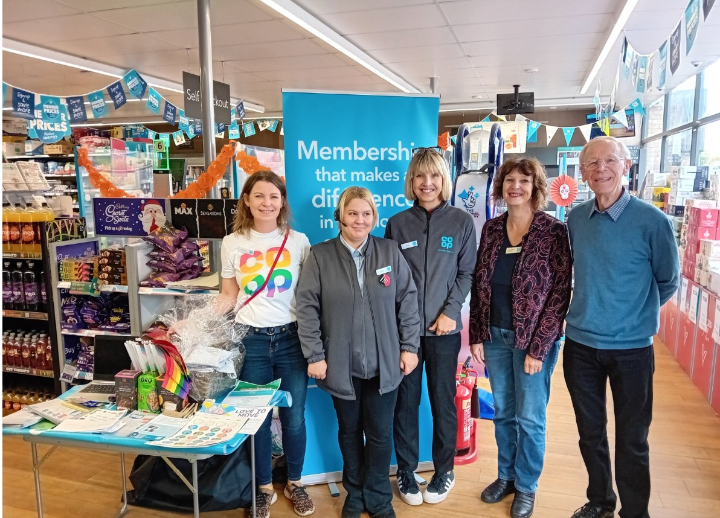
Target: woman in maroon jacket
[520,294]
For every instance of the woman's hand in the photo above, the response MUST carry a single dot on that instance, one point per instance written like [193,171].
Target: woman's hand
[177,328]
[478,353]
[317,370]
[443,325]
[408,362]
[532,365]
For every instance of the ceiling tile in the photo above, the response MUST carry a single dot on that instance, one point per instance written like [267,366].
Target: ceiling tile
[128,44]
[305,73]
[383,20]
[423,53]
[276,49]
[472,11]
[237,34]
[549,27]
[543,44]
[23,10]
[323,7]
[297,62]
[89,6]
[403,39]
[66,28]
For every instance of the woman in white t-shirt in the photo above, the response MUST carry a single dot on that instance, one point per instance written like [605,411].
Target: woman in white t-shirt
[263,280]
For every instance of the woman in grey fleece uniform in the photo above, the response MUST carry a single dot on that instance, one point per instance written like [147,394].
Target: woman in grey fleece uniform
[438,241]
[358,326]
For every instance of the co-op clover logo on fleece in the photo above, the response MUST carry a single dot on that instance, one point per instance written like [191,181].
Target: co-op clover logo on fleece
[446,242]
[469,199]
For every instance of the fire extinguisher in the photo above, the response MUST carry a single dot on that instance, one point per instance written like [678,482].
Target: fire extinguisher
[463,396]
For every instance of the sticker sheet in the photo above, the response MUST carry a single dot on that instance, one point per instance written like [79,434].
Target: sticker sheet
[203,430]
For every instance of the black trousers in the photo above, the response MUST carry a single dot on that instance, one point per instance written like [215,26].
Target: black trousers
[630,372]
[440,356]
[366,461]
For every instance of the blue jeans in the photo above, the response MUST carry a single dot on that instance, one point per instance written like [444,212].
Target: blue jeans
[520,408]
[274,353]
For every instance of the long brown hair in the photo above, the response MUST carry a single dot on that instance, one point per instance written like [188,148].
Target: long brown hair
[244,218]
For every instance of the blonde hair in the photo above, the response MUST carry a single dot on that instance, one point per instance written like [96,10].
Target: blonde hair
[620,148]
[527,167]
[428,160]
[352,193]
[243,217]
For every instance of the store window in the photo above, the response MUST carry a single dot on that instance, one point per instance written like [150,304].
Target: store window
[710,91]
[654,117]
[677,149]
[708,138]
[653,156]
[681,102]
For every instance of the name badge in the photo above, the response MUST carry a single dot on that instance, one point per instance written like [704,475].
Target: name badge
[387,269]
[410,244]
[513,250]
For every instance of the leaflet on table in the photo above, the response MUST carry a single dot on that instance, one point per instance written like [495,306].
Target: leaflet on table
[21,419]
[133,421]
[203,430]
[97,421]
[159,428]
[255,416]
[250,395]
[54,411]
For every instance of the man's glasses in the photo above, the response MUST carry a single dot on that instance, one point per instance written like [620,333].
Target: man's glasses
[609,162]
[435,149]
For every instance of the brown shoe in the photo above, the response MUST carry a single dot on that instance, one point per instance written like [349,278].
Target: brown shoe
[302,503]
[263,501]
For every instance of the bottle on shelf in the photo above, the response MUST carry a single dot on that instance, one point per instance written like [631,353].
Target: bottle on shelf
[9,350]
[30,222]
[25,351]
[33,353]
[43,292]
[7,287]
[4,348]
[40,352]
[16,399]
[5,226]
[31,289]
[48,353]
[18,289]
[24,399]
[14,228]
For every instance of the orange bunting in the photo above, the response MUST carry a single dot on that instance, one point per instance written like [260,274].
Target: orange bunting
[444,141]
[249,164]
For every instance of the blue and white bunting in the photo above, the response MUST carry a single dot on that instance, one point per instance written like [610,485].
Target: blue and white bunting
[240,110]
[532,129]
[273,125]
[234,130]
[249,129]
[136,85]
[117,94]
[169,113]
[23,103]
[97,104]
[152,135]
[50,109]
[198,129]
[153,102]
[183,122]
[692,21]
[219,127]
[568,132]
[179,138]
[76,108]
[637,107]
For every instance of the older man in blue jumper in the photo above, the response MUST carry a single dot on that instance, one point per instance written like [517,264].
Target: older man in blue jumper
[626,267]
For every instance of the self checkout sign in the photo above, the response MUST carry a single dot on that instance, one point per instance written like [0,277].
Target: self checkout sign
[192,95]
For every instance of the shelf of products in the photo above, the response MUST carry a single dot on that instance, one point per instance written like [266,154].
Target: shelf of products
[26,157]
[174,292]
[28,371]
[110,288]
[90,333]
[30,315]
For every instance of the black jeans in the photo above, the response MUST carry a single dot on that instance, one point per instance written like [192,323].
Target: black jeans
[440,355]
[366,462]
[631,381]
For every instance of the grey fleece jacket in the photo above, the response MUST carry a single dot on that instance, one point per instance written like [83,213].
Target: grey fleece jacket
[441,249]
[325,311]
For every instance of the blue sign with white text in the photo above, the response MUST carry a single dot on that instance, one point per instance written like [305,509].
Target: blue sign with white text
[117,94]
[153,102]
[169,114]
[76,109]
[135,83]
[97,103]
[333,141]
[53,129]
[23,103]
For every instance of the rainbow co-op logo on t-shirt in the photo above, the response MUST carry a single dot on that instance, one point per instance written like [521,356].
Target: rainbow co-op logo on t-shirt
[252,264]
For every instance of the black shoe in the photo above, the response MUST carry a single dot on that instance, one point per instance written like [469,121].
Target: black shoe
[590,510]
[523,505]
[350,512]
[497,491]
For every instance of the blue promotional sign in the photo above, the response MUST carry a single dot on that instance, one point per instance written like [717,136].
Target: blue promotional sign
[97,104]
[76,109]
[50,109]
[169,114]
[332,142]
[117,94]
[23,103]
[233,113]
[662,52]
[692,20]
[707,7]
[234,130]
[249,129]
[240,110]
[675,48]
[128,216]
[273,125]
[151,135]
[568,132]
[219,127]
[190,130]
[5,91]
[642,72]
[637,106]
[532,130]
[198,129]
[135,83]
[183,122]
[52,130]
[153,102]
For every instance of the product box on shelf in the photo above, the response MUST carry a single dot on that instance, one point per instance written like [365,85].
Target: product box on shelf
[709,263]
[682,184]
[62,147]
[17,126]
[656,180]
[13,148]
[671,322]
[688,317]
[34,147]
[681,171]
[679,197]
[715,392]
[713,281]
[674,210]
[700,217]
[710,248]
[704,344]
[126,389]
[697,275]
